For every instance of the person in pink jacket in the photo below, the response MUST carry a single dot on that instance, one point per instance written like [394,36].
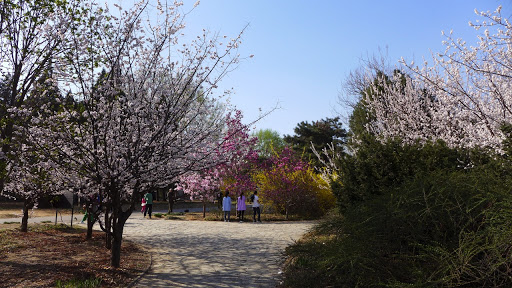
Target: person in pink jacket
[240,207]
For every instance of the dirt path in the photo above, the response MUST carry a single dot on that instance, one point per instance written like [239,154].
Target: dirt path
[213,254]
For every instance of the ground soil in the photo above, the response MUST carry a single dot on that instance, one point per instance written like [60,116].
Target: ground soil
[47,254]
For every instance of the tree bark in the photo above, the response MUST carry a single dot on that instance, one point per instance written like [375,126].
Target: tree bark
[170,197]
[90,221]
[90,224]
[24,220]
[204,208]
[118,227]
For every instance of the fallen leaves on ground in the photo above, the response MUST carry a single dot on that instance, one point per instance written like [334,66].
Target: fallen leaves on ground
[46,254]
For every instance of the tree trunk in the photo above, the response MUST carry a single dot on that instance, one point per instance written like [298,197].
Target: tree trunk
[118,226]
[24,220]
[90,224]
[115,256]
[170,197]
[93,215]
[90,221]
[204,208]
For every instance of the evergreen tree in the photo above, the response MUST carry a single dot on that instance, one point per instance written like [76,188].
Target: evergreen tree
[317,134]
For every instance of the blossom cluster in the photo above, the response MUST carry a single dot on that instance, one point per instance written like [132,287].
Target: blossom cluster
[463,98]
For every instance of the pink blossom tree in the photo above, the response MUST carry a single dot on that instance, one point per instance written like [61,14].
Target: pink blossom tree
[149,118]
[202,185]
[235,154]
[240,154]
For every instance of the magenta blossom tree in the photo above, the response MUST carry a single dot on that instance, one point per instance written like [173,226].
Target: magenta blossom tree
[240,154]
[234,158]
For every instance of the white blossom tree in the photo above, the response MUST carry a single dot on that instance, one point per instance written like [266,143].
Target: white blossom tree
[30,181]
[464,97]
[31,39]
[144,121]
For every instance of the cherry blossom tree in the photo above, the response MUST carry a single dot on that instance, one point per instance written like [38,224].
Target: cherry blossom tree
[149,118]
[31,37]
[203,185]
[239,151]
[28,176]
[234,158]
[463,97]
[30,181]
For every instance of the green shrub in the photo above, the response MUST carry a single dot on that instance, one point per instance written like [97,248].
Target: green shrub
[376,168]
[428,219]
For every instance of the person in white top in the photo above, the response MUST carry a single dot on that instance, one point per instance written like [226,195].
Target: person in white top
[226,206]
[255,206]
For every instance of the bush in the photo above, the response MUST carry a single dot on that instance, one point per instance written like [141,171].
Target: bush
[425,220]
[376,168]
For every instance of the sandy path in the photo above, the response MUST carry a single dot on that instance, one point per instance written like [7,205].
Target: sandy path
[213,254]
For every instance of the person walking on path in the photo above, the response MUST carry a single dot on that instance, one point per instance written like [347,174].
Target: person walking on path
[255,206]
[226,206]
[149,204]
[240,207]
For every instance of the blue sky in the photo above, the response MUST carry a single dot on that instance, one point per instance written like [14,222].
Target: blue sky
[304,50]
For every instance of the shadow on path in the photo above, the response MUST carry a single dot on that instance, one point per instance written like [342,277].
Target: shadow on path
[213,254]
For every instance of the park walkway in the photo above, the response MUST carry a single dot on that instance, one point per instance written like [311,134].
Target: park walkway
[213,254]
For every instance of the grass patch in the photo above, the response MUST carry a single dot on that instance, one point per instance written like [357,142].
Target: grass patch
[11,222]
[46,222]
[78,283]
[42,227]
[176,213]
[217,215]
[314,260]
[170,216]
[212,218]
[7,243]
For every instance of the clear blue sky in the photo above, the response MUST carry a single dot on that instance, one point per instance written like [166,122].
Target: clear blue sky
[303,50]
